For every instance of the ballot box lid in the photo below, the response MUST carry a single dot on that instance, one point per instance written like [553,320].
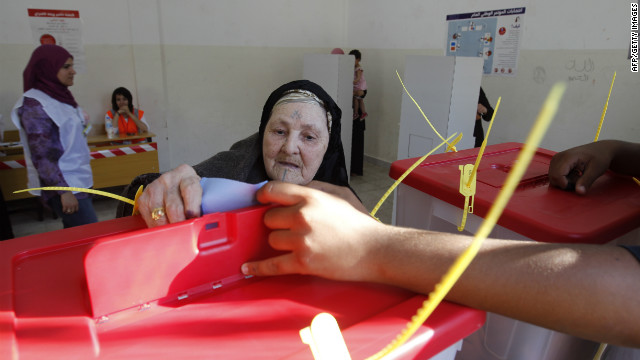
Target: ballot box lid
[116,289]
[536,210]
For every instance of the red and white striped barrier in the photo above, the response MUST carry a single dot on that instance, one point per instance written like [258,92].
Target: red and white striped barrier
[101,154]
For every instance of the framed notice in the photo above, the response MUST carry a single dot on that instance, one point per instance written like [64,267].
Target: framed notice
[60,27]
[493,35]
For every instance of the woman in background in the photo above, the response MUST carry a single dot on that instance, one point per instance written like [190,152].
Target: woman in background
[52,130]
[122,117]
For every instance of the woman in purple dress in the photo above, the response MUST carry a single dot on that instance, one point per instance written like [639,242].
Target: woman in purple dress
[52,128]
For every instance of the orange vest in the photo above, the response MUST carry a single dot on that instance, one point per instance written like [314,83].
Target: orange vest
[127,127]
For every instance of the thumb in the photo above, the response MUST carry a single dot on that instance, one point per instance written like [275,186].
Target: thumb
[591,173]
[282,193]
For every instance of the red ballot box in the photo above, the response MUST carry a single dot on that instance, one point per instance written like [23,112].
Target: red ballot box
[429,198]
[117,290]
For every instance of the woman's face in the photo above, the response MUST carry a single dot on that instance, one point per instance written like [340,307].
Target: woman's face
[66,73]
[121,101]
[295,140]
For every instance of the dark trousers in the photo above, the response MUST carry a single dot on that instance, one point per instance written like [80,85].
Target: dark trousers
[357,147]
[6,232]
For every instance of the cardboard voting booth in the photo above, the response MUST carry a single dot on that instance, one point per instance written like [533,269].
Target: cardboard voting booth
[118,290]
[429,198]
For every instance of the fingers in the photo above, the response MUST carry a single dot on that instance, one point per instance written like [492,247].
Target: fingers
[152,198]
[69,203]
[558,173]
[279,265]
[191,192]
[592,171]
[177,193]
[282,193]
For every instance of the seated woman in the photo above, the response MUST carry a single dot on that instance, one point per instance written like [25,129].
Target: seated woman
[298,141]
[123,118]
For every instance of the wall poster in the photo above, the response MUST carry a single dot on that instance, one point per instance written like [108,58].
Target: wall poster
[60,27]
[494,35]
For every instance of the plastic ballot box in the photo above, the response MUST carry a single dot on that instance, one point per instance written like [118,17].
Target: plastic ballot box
[118,290]
[429,198]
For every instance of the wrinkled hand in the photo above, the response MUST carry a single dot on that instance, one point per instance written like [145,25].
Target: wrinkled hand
[177,191]
[324,235]
[69,203]
[580,166]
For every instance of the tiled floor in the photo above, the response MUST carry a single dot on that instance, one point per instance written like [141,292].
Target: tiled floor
[370,187]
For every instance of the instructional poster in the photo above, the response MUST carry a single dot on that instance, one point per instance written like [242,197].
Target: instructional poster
[493,35]
[60,27]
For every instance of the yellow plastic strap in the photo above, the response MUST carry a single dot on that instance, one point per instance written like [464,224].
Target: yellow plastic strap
[395,184]
[540,127]
[464,214]
[637,181]
[135,201]
[467,189]
[604,110]
[484,144]
[90,191]
[470,176]
[451,147]
[422,112]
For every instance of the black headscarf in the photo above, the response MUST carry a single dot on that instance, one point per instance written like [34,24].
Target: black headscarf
[333,169]
[244,161]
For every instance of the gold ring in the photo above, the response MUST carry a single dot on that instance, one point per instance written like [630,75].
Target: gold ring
[157,213]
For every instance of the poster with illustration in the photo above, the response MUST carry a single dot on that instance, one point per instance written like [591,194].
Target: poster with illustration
[493,35]
[60,27]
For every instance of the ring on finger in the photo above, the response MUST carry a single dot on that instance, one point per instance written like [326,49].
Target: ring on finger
[157,213]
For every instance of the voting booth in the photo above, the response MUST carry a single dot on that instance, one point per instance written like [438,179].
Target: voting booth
[116,290]
[429,198]
[447,90]
[334,73]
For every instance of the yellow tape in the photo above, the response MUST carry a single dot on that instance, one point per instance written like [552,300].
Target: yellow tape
[468,190]
[548,111]
[422,112]
[472,178]
[484,143]
[464,214]
[90,191]
[604,110]
[135,200]
[451,147]
[395,184]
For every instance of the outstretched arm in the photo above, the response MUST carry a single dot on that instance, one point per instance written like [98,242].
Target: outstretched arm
[586,290]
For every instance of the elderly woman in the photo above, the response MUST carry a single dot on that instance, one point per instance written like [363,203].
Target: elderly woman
[298,141]
[51,128]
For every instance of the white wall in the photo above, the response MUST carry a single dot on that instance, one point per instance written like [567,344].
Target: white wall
[556,35]
[202,69]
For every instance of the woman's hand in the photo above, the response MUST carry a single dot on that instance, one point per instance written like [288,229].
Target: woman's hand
[124,111]
[177,192]
[69,203]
